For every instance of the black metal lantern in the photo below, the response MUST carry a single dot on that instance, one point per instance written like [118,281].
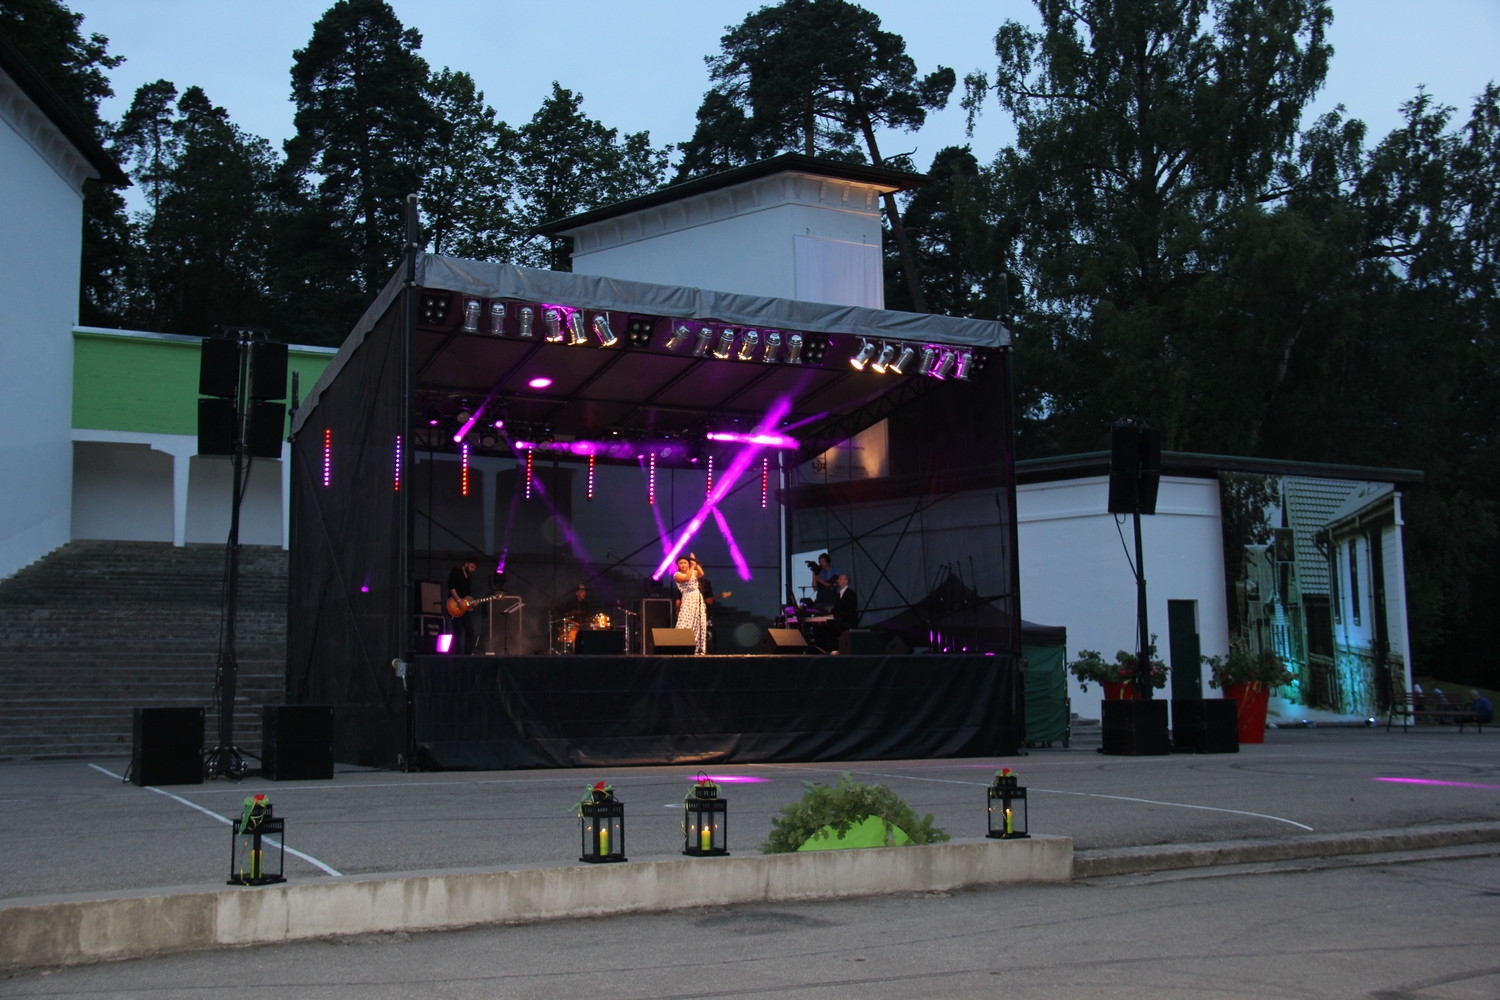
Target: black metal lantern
[250,863]
[601,824]
[1007,807]
[705,821]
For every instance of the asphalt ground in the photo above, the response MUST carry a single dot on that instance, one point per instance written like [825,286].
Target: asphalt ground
[1422,926]
[73,827]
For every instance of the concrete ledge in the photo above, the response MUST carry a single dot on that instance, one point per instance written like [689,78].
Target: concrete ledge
[76,930]
[1166,857]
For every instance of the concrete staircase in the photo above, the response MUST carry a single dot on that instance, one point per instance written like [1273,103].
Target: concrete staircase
[99,628]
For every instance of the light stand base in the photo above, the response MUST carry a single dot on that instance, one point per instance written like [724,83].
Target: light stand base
[225,762]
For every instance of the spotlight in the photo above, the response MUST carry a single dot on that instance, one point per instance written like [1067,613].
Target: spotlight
[434,308]
[606,336]
[471,316]
[554,326]
[900,365]
[961,370]
[575,328]
[945,365]
[726,344]
[747,345]
[794,350]
[929,358]
[497,318]
[883,360]
[701,347]
[527,315]
[464,414]
[863,356]
[814,348]
[638,331]
[773,348]
[679,337]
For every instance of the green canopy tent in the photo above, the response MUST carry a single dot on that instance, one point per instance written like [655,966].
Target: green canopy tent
[1048,711]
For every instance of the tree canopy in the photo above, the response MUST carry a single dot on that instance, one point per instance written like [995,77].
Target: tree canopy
[818,77]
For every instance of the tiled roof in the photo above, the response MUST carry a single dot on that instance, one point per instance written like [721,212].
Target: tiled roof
[1310,504]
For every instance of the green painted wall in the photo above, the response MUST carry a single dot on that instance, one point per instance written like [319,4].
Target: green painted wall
[149,384]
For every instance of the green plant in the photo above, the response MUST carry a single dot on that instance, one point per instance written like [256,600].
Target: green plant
[1243,666]
[1091,667]
[599,791]
[840,807]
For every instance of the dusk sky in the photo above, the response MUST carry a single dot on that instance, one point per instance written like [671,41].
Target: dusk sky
[640,65]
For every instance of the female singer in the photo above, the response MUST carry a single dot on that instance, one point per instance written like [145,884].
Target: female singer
[692,614]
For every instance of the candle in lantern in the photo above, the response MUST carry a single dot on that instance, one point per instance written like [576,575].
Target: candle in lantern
[603,840]
[706,837]
[1009,827]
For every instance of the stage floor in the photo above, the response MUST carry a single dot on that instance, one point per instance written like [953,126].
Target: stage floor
[496,713]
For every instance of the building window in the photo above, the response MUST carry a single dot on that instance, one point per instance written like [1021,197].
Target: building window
[1354,601]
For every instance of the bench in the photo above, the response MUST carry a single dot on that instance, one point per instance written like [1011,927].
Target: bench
[1438,707]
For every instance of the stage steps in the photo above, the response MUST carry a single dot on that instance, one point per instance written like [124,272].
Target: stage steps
[98,628]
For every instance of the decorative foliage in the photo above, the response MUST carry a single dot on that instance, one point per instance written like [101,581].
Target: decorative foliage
[1091,667]
[599,791]
[254,808]
[1242,666]
[841,807]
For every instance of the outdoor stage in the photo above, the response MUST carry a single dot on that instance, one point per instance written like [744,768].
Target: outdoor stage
[496,713]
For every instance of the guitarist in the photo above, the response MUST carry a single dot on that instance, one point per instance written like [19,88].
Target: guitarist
[461,593]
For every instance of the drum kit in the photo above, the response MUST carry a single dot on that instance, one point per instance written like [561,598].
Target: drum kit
[565,630]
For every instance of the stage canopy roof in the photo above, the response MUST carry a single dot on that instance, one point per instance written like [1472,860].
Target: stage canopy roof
[720,375]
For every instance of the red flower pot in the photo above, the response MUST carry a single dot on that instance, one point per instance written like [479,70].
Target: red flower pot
[1118,691]
[1254,698]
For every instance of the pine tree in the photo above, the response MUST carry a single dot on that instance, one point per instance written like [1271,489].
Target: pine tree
[817,77]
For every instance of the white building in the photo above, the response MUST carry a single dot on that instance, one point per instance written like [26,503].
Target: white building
[45,157]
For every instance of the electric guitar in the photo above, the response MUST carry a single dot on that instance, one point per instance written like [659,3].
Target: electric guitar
[460,606]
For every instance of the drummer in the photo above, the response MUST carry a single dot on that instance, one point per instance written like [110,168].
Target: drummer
[577,610]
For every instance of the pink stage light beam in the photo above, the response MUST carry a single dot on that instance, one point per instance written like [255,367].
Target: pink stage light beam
[724,486]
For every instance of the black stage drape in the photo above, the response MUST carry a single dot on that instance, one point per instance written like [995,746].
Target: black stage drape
[491,713]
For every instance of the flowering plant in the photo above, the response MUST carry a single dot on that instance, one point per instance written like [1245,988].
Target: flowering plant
[255,808]
[599,791]
[1242,666]
[1092,667]
[704,788]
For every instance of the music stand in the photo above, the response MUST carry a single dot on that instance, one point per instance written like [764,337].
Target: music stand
[506,619]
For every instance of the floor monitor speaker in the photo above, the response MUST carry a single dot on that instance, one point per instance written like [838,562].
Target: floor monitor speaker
[166,746]
[783,641]
[605,642]
[673,641]
[861,642]
[655,613]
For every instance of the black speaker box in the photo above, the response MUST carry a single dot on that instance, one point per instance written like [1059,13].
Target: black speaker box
[1134,468]
[296,742]
[265,429]
[166,746]
[1206,725]
[656,612]
[216,427]
[605,642]
[672,641]
[861,642]
[1133,728]
[782,641]
[267,370]
[219,367]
